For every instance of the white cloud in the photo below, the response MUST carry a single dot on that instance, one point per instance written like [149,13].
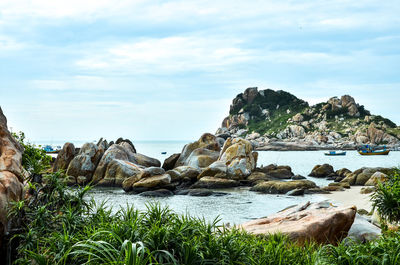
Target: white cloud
[168,55]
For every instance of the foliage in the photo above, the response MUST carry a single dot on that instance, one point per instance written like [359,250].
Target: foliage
[388,122]
[59,225]
[34,159]
[386,199]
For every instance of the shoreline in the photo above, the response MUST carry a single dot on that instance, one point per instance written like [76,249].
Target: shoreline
[350,197]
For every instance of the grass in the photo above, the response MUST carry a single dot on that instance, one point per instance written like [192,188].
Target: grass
[61,226]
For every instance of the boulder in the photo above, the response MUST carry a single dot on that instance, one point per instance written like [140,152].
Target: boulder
[170,162]
[295,192]
[282,187]
[64,157]
[376,178]
[298,177]
[321,171]
[214,183]
[206,142]
[217,169]
[316,222]
[363,231]
[118,171]
[153,182]
[10,150]
[200,193]
[237,155]
[146,161]
[188,172]
[258,176]
[201,158]
[278,172]
[11,173]
[122,151]
[126,141]
[84,164]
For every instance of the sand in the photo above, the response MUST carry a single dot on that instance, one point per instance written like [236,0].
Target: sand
[351,196]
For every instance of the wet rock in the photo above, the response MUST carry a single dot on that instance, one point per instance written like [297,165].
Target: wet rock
[316,222]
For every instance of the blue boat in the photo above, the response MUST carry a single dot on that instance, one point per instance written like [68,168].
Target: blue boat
[334,153]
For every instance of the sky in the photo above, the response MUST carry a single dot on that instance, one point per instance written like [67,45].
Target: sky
[168,70]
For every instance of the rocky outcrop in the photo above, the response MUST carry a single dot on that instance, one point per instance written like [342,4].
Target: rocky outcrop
[277,120]
[316,222]
[85,163]
[146,161]
[361,176]
[170,162]
[201,153]
[322,171]
[122,151]
[277,172]
[376,178]
[64,157]
[11,172]
[282,187]
[237,154]
[214,183]
[152,178]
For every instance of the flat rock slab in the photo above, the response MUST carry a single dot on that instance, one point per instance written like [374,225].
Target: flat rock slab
[317,222]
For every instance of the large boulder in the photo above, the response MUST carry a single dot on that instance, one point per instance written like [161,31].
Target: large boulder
[205,151]
[146,161]
[278,172]
[153,182]
[215,183]
[376,178]
[316,222]
[321,171]
[169,163]
[84,164]
[122,151]
[11,172]
[64,157]
[361,176]
[151,178]
[282,187]
[118,171]
[238,156]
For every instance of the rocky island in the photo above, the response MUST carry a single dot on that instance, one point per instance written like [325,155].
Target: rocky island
[278,120]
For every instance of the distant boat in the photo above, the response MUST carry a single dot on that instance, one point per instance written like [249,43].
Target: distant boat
[51,150]
[368,150]
[334,153]
[163,153]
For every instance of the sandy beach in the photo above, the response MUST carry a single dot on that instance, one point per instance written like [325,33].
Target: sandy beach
[351,196]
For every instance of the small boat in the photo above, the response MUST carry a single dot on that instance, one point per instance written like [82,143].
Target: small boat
[334,153]
[163,153]
[368,150]
[373,152]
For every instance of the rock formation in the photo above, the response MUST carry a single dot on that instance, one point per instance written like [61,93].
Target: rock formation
[316,222]
[11,172]
[277,120]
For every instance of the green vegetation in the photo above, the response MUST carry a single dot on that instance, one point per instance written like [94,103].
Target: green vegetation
[34,160]
[58,225]
[378,119]
[386,199]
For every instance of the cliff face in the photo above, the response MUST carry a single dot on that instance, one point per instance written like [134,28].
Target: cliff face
[269,116]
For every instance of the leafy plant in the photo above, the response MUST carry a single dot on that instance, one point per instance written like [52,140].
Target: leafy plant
[386,199]
[34,159]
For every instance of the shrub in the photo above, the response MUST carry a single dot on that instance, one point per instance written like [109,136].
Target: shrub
[34,159]
[386,199]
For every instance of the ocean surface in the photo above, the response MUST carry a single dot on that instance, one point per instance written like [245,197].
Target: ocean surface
[241,204]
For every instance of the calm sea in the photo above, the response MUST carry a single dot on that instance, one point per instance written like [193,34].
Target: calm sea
[240,205]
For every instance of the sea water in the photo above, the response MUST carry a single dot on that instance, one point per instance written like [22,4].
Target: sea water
[240,204]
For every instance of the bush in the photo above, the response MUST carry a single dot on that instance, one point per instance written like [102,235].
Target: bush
[386,199]
[34,159]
